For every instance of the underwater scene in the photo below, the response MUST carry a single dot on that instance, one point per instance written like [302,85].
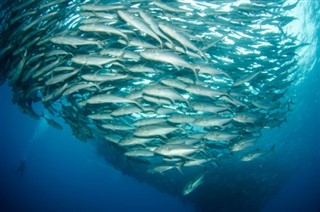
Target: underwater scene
[140,105]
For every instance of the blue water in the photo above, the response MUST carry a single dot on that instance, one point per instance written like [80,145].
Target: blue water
[63,174]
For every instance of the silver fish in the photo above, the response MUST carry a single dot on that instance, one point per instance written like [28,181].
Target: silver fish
[193,184]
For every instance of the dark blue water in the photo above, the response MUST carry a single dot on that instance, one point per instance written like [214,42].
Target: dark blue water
[302,191]
[63,174]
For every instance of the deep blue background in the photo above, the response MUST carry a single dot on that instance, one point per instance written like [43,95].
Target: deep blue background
[63,174]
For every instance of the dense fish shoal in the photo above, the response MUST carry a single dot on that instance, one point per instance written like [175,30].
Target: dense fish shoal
[165,88]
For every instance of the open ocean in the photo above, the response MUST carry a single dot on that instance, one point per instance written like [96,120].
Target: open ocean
[62,174]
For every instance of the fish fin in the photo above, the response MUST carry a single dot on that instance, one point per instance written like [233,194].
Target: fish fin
[164,137]
[184,130]
[119,64]
[100,44]
[179,169]
[214,162]
[176,67]
[189,105]
[124,48]
[97,85]
[172,46]
[162,141]
[203,151]
[203,56]
[213,43]
[139,105]
[121,57]
[144,145]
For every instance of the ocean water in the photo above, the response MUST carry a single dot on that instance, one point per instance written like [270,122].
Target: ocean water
[63,174]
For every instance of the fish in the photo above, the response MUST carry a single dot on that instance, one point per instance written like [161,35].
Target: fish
[184,41]
[121,53]
[16,73]
[205,69]
[253,155]
[181,118]
[211,121]
[138,43]
[263,105]
[245,79]
[38,20]
[153,25]
[78,87]
[221,136]
[200,162]
[159,85]
[54,94]
[139,153]
[157,100]
[101,28]
[163,168]
[154,130]
[184,140]
[112,138]
[172,150]
[174,83]
[126,111]
[164,92]
[208,107]
[243,144]
[100,116]
[193,184]
[53,123]
[246,118]
[149,121]
[61,77]
[74,41]
[167,7]
[108,98]
[141,69]
[180,49]
[101,7]
[92,60]
[46,68]
[204,91]
[132,140]
[139,24]
[168,57]
[56,52]
[51,3]
[104,78]
[121,127]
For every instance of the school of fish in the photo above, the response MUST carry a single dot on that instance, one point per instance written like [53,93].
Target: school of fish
[168,84]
